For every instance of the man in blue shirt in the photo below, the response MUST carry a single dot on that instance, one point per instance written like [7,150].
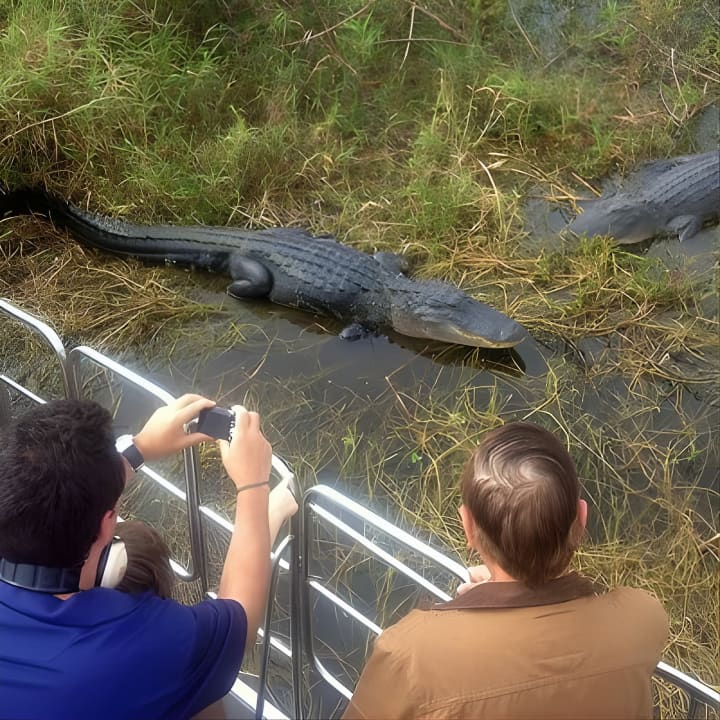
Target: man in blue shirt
[70,649]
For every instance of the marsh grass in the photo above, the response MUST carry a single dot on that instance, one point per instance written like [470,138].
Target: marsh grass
[410,128]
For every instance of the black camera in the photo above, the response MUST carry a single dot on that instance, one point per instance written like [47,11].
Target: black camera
[216,422]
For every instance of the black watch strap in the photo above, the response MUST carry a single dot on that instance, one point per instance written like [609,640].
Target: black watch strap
[128,449]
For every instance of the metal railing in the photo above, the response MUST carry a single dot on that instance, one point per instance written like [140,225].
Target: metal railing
[700,698]
[54,343]
[320,507]
[337,511]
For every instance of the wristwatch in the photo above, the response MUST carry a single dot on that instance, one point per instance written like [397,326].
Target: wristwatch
[128,449]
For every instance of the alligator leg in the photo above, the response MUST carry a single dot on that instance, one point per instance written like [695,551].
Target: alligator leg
[251,279]
[685,226]
[356,331]
[393,262]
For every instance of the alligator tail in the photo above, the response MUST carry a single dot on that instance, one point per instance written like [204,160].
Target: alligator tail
[29,201]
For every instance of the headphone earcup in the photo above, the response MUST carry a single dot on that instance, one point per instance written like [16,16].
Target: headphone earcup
[112,564]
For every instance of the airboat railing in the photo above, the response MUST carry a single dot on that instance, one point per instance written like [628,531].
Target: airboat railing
[324,504]
[700,697]
[320,504]
[51,339]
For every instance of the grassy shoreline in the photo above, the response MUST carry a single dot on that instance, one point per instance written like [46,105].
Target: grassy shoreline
[414,130]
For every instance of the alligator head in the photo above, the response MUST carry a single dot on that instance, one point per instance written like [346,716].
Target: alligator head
[436,311]
[626,222]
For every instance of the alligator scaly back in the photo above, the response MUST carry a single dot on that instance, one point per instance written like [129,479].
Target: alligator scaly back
[290,267]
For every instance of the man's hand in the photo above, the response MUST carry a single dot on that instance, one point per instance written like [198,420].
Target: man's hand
[246,572]
[479,574]
[164,433]
[248,456]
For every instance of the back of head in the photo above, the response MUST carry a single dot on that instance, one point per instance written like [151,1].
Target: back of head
[522,490]
[59,475]
[148,560]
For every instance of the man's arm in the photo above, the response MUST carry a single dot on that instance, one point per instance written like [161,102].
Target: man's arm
[247,459]
[246,572]
[281,506]
[164,433]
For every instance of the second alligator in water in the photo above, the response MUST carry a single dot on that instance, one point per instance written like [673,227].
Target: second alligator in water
[676,196]
[293,268]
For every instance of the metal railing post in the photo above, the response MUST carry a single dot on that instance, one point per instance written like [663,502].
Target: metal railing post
[52,339]
[265,657]
[298,626]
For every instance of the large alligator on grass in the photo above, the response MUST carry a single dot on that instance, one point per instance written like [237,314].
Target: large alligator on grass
[676,196]
[290,267]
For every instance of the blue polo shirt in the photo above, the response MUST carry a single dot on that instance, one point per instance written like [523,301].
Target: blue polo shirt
[107,654]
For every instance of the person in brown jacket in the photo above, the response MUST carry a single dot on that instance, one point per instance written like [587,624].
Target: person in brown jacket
[526,638]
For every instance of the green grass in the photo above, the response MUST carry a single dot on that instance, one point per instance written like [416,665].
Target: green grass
[414,128]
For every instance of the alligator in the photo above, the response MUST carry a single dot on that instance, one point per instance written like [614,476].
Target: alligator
[675,196]
[290,267]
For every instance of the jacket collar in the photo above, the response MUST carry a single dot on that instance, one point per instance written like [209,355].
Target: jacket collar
[516,594]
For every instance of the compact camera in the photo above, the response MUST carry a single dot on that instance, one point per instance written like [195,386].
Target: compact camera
[216,422]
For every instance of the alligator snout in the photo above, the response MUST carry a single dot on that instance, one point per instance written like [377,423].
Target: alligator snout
[440,312]
[512,334]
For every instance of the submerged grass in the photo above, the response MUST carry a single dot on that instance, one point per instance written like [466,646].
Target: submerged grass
[419,129]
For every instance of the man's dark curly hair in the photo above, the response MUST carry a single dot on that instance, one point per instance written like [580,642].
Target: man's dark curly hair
[59,474]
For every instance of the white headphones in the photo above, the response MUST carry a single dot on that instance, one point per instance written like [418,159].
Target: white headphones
[112,564]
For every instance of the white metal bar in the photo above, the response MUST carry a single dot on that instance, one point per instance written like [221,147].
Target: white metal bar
[22,390]
[389,529]
[50,337]
[245,694]
[695,688]
[349,609]
[379,552]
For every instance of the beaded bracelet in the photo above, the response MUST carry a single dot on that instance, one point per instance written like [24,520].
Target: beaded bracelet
[254,485]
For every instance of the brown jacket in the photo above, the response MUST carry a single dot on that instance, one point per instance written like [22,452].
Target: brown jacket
[503,651]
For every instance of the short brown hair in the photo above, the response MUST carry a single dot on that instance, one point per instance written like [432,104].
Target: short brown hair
[148,566]
[522,490]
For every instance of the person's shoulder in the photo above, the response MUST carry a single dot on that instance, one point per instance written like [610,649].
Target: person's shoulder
[211,613]
[215,606]
[409,623]
[635,597]
[641,605]
[147,609]
[219,615]
[415,631]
